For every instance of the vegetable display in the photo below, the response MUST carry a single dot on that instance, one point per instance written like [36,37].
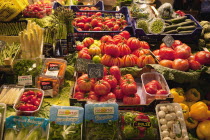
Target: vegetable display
[66,123]
[156,26]
[13,28]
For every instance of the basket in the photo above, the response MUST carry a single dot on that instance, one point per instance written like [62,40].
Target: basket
[154,38]
[9,9]
[99,5]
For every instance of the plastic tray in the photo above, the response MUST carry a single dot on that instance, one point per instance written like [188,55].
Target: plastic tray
[99,5]
[29,113]
[149,76]
[154,38]
[179,118]
[2,118]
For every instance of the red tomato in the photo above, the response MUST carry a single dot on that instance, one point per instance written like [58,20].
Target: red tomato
[118,92]
[133,43]
[194,65]
[180,64]
[84,83]
[125,34]
[144,45]
[39,94]
[94,22]
[156,52]
[119,39]
[155,82]
[84,55]
[87,26]
[166,63]
[124,49]
[80,25]
[166,53]
[125,77]
[110,24]
[110,96]
[161,92]
[140,52]
[115,70]
[88,41]
[79,47]
[92,96]
[182,51]
[131,100]
[128,87]
[203,57]
[79,95]
[24,99]
[151,88]
[111,80]
[112,50]
[163,45]
[116,27]
[97,29]
[192,57]
[105,71]
[106,60]
[176,43]
[105,38]
[102,87]
[30,92]
[129,60]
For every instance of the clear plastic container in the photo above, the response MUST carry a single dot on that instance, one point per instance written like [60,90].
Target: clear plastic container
[49,84]
[28,113]
[3,108]
[55,67]
[146,78]
[171,121]
[156,26]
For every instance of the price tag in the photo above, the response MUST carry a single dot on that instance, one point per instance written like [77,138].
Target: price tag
[82,64]
[25,80]
[95,70]
[177,128]
[168,40]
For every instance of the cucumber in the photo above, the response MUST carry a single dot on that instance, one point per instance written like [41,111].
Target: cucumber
[171,27]
[179,19]
[186,28]
[186,32]
[186,23]
[168,21]
[167,24]
[171,32]
[188,20]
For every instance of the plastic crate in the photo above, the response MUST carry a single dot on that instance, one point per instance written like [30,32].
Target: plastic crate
[99,5]
[154,38]
[9,9]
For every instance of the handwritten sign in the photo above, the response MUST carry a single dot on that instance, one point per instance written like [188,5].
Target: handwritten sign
[25,80]
[95,70]
[168,40]
[82,64]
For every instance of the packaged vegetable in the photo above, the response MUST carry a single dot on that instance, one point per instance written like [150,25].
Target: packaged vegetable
[49,84]
[156,26]
[55,67]
[29,102]
[101,121]
[2,118]
[173,126]
[26,128]
[66,122]
[138,125]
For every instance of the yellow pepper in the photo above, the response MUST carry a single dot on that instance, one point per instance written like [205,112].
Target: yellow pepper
[191,123]
[185,110]
[189,104]
[192,95]
[178,95]
[94,50]
[203,130]
[199,111]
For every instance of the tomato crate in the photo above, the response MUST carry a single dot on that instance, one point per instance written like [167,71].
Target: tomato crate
[140,107]
[99,5]
[156,38]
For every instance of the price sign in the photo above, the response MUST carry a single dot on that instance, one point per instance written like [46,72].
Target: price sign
[95,70]
[168,40]
[82,64]
[25,80]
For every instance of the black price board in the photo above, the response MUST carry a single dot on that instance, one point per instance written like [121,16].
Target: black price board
[168,40]
[95,70]
[81,64]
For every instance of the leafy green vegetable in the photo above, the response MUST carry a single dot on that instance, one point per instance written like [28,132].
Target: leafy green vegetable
[176,75]
[129,117]
[130,132]
[64,132]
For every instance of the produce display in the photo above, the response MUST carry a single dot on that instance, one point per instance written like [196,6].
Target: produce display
[154,72]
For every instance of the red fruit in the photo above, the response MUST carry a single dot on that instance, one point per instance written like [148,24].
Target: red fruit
[79,47]
[84,83]
[79,95]
[166,53]
[155,82]
[180,64]
[110,96]
[97,29]
[151,88]
[124,49]
[194,65]
[182,51]
[105,71]
[128,87]
[118,92]
[80,25]
[161,92]
[125,34]
[94,22]
[176,43]
[131,100]
[111,80]
[88,41]
[133,43]
[144,45]
[112,50]
[87,26]
[115,70]
[102,87]
[203,57]
[105,38]
[166,63]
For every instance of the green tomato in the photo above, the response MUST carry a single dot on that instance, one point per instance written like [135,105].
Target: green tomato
[130,132]
[96,59]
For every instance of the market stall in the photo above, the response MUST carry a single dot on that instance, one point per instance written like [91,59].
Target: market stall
[84,72]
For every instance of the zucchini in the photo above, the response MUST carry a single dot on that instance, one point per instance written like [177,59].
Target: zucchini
[171,27]
[188,19]
[186,32]
[171,32]
[186,28]
[168,21]
[186,23]
[179,19]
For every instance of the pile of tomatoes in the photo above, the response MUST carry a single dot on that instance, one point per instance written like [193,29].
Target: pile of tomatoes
[179,57]
[29,101]
[94,21]
[111,86]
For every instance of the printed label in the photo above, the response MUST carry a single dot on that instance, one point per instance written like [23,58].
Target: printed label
[168,40]
[47,86]
[142,124]
[53,69]
[25,80]
[68,113]
[176,128]
[103,110]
